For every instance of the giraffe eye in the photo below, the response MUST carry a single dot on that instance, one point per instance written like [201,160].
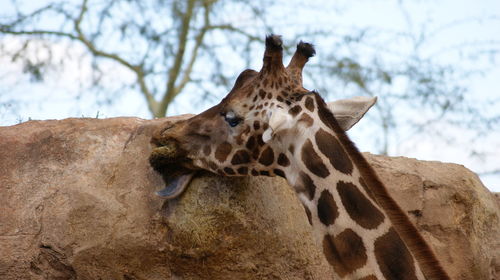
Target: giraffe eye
[233,122]
[231,119]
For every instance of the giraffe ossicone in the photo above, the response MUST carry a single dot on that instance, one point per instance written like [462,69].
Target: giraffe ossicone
[270,125]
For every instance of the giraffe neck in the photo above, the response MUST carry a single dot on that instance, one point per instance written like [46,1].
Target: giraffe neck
[355,235]
[352,230]
[359,227]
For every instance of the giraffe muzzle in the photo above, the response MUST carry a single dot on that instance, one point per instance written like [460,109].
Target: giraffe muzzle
[168,157]
[170,160]
[167,150]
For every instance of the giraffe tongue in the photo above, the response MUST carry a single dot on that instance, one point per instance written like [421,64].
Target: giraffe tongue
[175,186]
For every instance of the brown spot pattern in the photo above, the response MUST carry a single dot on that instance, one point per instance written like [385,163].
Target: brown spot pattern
[279,172]
[262,93]
[346,252]
[312,160]
[242,170]
[295,110]
[309,104]
[260,142]
[308,185]
[265,82]
[327,208]
[256,153]
[267,157]
[264,173]
[359,208]
[223,151]
[306,119]
[256,125]
[206,150]
[283,160]
[332,149]
[229,171]
[250,143]
[393,258]
[240,157]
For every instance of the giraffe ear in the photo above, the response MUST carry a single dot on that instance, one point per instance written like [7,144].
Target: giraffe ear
[349,111]
[279,120]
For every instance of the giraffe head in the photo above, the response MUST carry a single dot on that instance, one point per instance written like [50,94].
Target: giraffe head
[252,130]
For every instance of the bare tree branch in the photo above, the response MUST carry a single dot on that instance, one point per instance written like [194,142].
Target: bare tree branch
[194,53]
[137,69]
[175,69]
[231,28]
[38,32]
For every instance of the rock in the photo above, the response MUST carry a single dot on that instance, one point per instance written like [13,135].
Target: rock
[452,209]
[77,202]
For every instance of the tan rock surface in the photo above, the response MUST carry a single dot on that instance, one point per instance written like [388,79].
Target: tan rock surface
[453,210]
[77,202]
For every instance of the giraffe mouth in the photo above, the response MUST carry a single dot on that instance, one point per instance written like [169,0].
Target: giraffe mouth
[169,161]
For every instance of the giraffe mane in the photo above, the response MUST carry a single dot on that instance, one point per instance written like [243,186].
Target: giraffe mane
[423,253]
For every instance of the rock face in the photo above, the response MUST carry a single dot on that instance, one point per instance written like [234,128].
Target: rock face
[452,209]
[77,202]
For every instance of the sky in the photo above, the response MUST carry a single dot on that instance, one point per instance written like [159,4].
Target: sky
[54,98]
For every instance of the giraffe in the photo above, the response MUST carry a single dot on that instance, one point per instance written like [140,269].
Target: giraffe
[270,125]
